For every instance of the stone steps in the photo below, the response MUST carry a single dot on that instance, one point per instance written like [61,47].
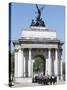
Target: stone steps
[23,80]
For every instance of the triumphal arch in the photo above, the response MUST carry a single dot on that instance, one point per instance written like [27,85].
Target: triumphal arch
[37,41]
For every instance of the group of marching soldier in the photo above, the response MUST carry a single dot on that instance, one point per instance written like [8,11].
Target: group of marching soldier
[46,80]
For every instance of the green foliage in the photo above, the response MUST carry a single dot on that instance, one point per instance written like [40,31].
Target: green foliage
[38,65]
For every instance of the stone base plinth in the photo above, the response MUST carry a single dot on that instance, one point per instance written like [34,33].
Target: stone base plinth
[23,80]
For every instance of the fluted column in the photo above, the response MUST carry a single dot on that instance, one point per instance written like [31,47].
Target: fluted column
[24,67]
[32,68]
[46,72]
[56,63]
[49,62]
[30,64]
[60,64]
[20,63]
[52,61]
[16,63]
[61,70]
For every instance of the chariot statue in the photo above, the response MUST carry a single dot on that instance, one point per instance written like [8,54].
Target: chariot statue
[38,21]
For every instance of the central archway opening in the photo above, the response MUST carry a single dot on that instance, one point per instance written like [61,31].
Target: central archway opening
[39,65]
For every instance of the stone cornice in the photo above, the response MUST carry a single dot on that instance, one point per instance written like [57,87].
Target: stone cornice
[37,41]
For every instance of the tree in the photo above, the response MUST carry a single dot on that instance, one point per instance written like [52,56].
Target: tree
[38,65]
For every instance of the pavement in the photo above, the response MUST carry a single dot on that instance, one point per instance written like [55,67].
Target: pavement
[34,84]
[61,82]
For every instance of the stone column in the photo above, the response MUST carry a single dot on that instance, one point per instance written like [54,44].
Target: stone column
[30,64]
[61,70]
[32,68]
[60,64]
[49,62]
[52,61]
[20,63]
[46,71]
[24,67]
[56,63]
[16,63]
